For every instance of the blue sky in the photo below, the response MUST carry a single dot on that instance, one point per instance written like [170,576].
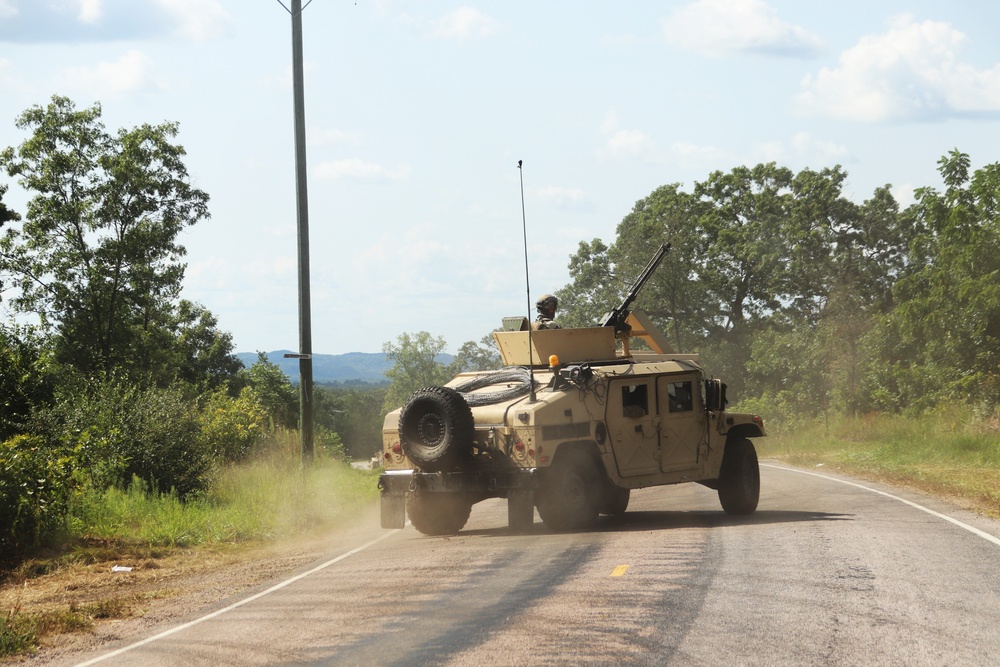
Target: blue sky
[417,113]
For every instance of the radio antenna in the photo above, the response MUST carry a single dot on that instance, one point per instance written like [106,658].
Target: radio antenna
[527,284]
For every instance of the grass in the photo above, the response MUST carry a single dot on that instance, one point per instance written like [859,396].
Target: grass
[947,453]
[262,501]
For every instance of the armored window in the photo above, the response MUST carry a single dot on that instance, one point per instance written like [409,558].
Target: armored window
[635,401]
[681,397]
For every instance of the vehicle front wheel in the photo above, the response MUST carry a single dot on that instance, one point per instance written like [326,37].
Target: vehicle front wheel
[739,478]
[438,513]
[569,497]
[616,501]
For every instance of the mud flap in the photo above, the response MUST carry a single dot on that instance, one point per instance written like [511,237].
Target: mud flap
[392,510]
[521,510]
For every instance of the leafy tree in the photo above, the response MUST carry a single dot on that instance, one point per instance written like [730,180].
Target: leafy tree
[203,354]
[675,297]
[26,381]
[585,299]
[942,338]
[6,214]
[481,356]
[415,366]
[757,251]
[356,415]
[274,391]
[96,257]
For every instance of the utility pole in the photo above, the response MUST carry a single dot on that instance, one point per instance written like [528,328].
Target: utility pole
[302,216]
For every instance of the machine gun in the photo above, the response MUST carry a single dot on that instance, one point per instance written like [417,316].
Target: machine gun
[616,318]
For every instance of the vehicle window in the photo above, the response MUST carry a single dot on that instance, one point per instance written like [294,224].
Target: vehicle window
[635,401]
[681,397]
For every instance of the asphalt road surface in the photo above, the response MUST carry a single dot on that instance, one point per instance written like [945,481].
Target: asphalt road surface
[829,571]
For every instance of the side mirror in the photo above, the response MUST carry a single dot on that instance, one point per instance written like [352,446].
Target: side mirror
[715,395]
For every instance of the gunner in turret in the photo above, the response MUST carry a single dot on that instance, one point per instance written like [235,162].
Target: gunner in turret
[546,306]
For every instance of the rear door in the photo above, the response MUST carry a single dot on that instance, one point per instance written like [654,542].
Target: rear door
[631,422]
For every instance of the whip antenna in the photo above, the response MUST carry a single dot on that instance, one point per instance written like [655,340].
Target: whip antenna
[527,284]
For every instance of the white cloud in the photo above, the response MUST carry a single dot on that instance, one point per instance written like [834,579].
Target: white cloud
[802,148]
[823,152]
[463,23]
[7,10]
[903,194]
[623,143]
[196,20]
[353,168]
[90,11]
[911,72]
[129,74]
[566,198]
[718,28]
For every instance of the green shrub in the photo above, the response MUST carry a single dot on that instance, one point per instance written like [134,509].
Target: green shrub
[35,486]
[329,442]
[120,430]
[232,427]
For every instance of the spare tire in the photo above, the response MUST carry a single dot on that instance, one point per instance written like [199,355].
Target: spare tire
[436,429]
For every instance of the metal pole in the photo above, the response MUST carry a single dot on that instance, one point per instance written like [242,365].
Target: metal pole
[302,215]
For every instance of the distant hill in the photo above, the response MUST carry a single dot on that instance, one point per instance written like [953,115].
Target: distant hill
[340,368]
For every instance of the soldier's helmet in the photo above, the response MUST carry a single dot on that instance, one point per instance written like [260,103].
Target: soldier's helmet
[547,302]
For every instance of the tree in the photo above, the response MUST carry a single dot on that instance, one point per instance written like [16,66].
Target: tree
[356,415]
[25,381]
[942,338]
[204,354]
[585,299]
[6,215]
[96,257]
[275,392]
[675,297]
[415,366]
[481,356]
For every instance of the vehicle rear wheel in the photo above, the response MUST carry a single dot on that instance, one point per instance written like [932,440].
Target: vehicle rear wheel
[569,497]
[438,513]
[739,478]
[436,429]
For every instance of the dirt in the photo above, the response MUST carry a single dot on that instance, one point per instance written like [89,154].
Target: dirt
[147,593]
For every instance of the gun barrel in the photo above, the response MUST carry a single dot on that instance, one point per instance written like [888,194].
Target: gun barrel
[618,315]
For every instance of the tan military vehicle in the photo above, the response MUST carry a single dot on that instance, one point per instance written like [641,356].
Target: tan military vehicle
[574,422]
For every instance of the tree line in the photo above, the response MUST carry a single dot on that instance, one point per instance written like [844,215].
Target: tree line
[806,302]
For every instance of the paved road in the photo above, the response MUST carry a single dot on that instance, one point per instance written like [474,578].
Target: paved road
[825,573]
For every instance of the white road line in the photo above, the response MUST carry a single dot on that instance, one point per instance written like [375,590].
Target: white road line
[975,531]
[236,605]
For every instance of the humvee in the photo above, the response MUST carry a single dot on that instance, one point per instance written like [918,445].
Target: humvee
[574,422]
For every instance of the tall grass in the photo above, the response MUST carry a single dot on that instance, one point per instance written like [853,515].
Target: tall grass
[948,452]
[270,497]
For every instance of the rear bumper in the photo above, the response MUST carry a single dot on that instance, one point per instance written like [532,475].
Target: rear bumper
[484,484]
